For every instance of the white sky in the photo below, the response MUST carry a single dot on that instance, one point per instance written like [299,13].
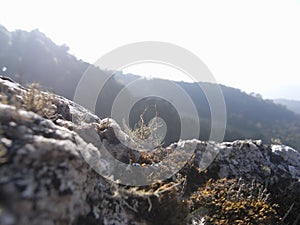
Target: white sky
[252,45]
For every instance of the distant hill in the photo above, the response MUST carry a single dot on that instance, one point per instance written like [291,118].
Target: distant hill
[248,116]
[33,57]
[292,105]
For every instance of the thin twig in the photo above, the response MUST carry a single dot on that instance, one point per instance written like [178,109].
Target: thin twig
[150,204]
[157,192]
[288,212]
[129,206]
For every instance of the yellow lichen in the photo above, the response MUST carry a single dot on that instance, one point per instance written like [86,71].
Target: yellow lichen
[234,202]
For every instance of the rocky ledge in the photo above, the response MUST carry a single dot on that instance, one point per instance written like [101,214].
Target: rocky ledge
[45,141]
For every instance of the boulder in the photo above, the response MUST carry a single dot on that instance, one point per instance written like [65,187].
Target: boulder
[52,166]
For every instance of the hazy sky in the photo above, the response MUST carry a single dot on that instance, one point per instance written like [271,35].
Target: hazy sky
[252,45]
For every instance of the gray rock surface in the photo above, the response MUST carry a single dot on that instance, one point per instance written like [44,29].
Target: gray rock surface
[44,178]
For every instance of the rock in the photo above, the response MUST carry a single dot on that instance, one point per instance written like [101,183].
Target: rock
[45,177]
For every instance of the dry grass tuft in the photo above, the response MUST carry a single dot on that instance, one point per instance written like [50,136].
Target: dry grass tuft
[146,136]
[39,102]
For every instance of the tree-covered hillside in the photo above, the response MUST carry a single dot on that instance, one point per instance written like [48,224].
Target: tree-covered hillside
[32,57]
[292,105]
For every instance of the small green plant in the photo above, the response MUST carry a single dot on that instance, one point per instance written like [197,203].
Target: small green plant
[39,102]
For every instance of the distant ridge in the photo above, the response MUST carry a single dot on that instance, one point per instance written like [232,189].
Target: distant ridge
[29,57]
[292,105]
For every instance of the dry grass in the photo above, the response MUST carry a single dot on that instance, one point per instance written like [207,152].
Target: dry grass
[146,136]
[39,102]
[161,202]
[33,99]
